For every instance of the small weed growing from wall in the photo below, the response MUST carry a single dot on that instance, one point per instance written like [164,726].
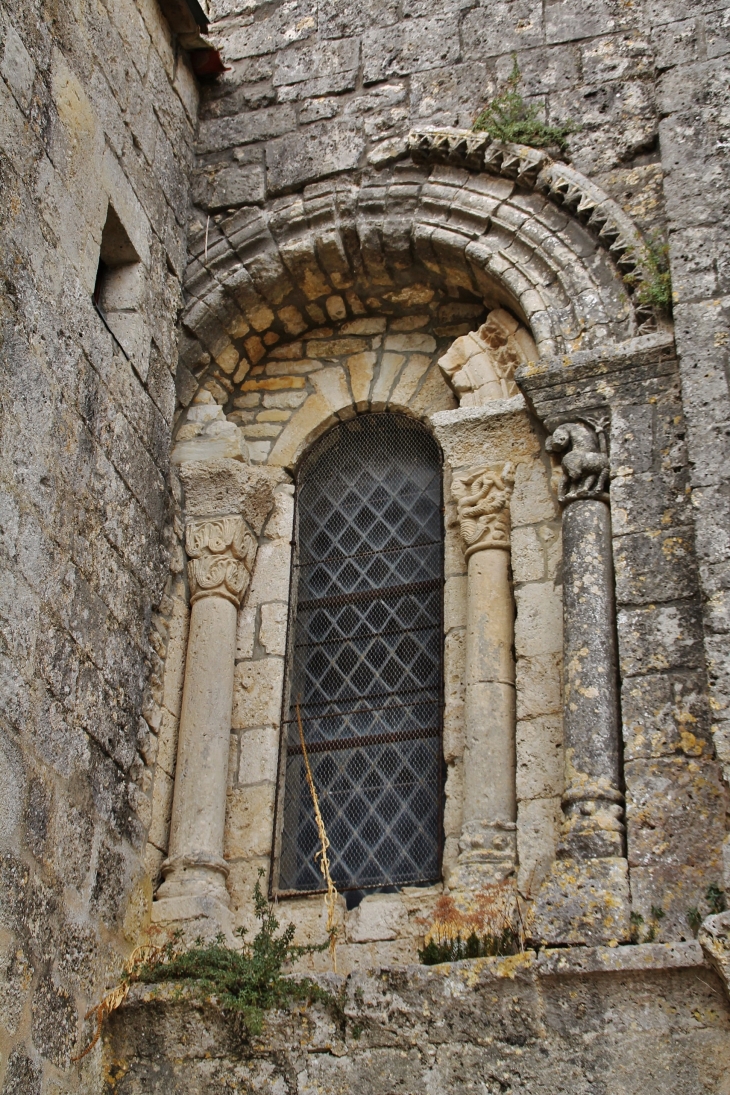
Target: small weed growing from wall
[637,925]
[654,286]
[694,919]
[716,903]
[248,980]
[637,921]
[657,915]
[491,927]
[715,898]
[509,118]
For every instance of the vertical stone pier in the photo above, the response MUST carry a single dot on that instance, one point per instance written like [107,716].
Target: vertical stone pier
[585,898]
[226,504]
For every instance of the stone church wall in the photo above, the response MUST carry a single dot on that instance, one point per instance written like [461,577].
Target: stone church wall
[299,146]
[98,108]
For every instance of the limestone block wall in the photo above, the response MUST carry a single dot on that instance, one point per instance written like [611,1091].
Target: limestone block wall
[97,108]
[563,1020]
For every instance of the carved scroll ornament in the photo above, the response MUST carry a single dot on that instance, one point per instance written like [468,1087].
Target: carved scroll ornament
[480,366]
[221,555]
[483,499]
[583,453]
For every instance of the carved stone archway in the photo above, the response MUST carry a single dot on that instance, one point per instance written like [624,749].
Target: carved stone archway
[501,222]
[490,228]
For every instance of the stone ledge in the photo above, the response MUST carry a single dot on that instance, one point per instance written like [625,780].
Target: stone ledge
[551,962]
[554,1021]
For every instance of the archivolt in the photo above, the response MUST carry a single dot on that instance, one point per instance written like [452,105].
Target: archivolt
[509,227]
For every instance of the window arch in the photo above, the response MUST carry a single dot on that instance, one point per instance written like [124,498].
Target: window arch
[365,653]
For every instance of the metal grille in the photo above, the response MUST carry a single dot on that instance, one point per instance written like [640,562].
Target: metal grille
[365,652]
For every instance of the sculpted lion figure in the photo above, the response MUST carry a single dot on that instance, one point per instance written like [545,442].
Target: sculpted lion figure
[584,461]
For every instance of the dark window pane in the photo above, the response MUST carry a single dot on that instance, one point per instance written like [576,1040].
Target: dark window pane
[365,659]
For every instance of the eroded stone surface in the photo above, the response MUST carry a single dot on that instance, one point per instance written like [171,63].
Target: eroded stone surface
[555,1022]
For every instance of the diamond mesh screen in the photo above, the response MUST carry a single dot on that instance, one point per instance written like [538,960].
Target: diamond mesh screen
[365,651]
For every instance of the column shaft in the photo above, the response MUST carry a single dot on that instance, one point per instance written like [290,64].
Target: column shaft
[195,859]
[488,833]
[489,762]
[221,552]
[592,799]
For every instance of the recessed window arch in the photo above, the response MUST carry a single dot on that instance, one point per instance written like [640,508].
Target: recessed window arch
[364,660]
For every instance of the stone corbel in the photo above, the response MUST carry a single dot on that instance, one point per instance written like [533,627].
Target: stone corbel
[226,505]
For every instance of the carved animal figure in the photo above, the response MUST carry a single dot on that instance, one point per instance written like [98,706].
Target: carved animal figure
[584,464]
[483,501]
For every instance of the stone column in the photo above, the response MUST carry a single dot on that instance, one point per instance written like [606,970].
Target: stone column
[488,836]
[221,549]
[592,800]
[585,898]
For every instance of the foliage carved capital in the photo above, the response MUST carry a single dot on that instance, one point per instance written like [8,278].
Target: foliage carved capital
[221,554]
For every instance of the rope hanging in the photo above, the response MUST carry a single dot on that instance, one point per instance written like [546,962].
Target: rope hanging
[321,856]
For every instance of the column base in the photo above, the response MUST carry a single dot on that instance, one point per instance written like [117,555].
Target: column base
[193,896]
[487,855]
[582,903]
[593,825]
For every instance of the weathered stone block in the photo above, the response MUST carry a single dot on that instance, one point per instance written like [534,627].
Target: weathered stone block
[540,762]
[583,903]
[654,566]
[257,693]
[323,150]
[674,809]
[664,715]
[659,637]
[250,820]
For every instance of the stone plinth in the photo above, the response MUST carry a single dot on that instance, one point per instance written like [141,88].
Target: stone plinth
[644,1020]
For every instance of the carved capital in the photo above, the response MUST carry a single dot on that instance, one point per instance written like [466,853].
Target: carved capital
[481,366]
[583,452]
[221,554]
[483,498]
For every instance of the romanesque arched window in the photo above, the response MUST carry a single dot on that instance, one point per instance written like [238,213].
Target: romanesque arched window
[365,660]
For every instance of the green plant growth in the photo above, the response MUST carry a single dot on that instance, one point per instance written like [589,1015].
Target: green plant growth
[635,930]
[637,925]
[248,981]
[715,898]
[657,915]
[509,118]
[654,284]
[694,919]
[474,946]
[716,903]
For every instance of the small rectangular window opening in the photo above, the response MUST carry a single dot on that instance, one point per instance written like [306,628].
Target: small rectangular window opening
[118,284]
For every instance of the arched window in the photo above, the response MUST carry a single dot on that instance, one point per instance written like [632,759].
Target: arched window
[365,660]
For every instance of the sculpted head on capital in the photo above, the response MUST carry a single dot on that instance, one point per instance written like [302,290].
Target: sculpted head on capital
[480,366]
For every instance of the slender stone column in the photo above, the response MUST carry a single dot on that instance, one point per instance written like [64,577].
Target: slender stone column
[585,899]
[221,551]
[592,801]
[487,844]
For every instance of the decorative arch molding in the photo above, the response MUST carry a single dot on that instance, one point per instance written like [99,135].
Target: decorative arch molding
[501,223]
